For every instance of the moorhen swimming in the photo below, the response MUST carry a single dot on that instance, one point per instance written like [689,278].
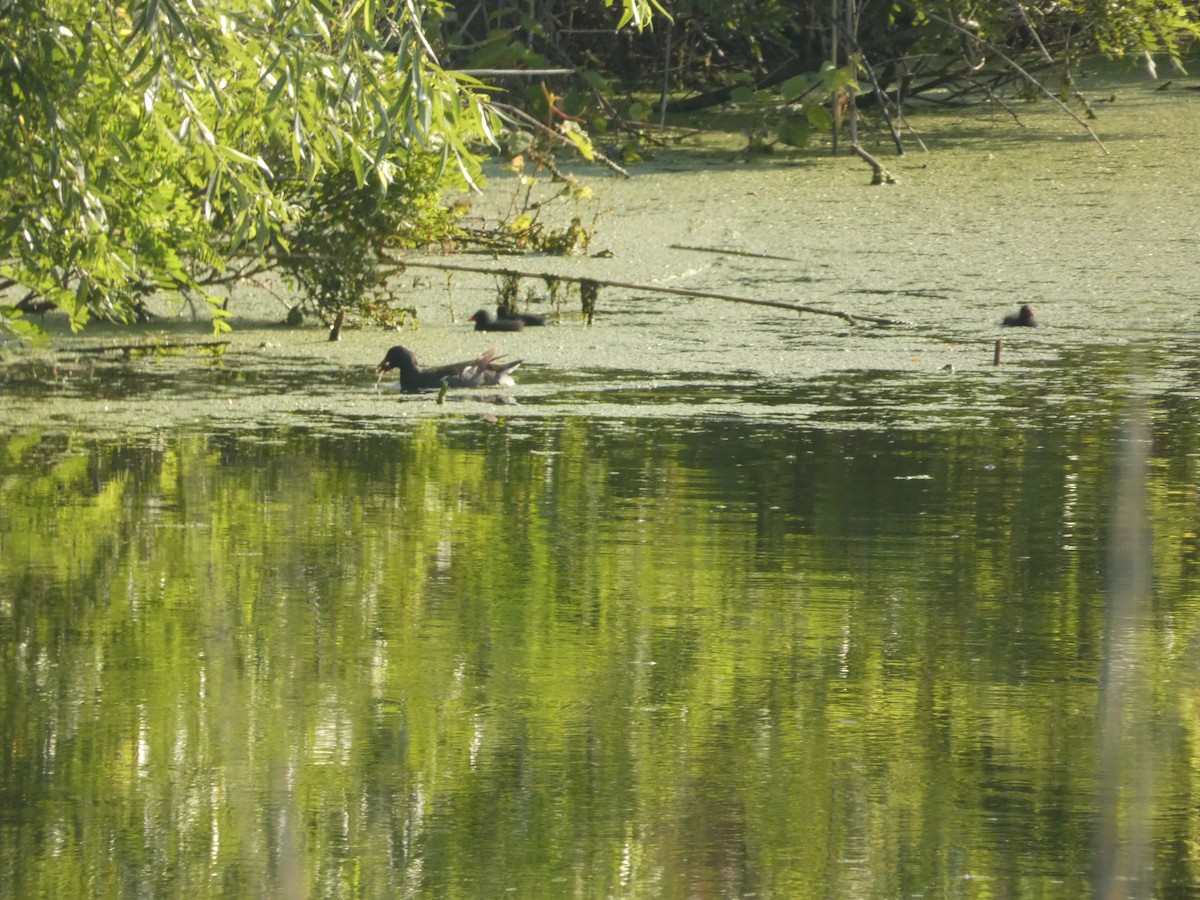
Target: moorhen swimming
[481,371]
[484,322]
[504,311]
[1024,317]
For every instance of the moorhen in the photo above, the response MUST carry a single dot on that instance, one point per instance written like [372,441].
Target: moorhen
[481,371]
[1024,317]
[484,322]
[503,311]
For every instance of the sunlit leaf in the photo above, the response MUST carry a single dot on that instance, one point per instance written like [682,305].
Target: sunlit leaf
[575,134]
[819,117]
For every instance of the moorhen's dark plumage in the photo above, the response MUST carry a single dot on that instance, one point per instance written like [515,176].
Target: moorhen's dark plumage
[507,312]
[484,322]
[1023,317]
[481,371]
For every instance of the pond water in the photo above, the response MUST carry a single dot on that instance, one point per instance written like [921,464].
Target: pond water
[718,602]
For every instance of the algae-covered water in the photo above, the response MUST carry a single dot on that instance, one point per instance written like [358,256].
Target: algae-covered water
[719,600]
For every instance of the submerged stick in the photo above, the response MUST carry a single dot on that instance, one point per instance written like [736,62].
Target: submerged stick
[634,286]
[725,251]
[149,346]
[881,175]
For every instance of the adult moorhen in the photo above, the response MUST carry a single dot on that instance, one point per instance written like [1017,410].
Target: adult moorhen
[481,371]
[504,311]
[484,322]
[1023,317]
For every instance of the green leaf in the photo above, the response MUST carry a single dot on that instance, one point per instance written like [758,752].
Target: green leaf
[595,80]
[575,134]
[14,322]
[833,79]
[819,117]
[794,131]
[795,87]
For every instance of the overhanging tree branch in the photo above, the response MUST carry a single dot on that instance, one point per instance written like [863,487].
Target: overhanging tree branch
[1041,87]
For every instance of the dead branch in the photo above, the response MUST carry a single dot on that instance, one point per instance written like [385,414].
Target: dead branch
[882,175]
[651,288]
[1041,87]
[724,251]
[150,346]
[882,101]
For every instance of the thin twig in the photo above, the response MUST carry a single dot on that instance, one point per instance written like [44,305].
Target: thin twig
[725,251]
[666,84]
[517,73]
[882,101]
[1036,37]
[515,113]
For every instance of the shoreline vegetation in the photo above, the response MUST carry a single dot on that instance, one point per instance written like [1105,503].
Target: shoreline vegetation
[136,171]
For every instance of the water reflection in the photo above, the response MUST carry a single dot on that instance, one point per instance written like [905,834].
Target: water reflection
[550,657]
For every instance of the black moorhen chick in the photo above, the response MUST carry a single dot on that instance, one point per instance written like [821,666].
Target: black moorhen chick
[1024,317]
[504,311]
[481,371]
[484,322]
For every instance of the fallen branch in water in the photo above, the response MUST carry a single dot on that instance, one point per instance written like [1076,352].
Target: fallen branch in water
[150,347]
[651,288]
[725,251]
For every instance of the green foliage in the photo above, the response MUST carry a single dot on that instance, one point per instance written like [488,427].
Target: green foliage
[160,148]
[521,228]
[340,249]
[766,55]
[639,13]
[1068,30]
[18,325]
[1140,26]
[150,145]
[797,109]
[794,130]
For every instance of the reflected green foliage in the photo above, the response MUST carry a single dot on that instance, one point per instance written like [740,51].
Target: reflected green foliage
[570,658]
